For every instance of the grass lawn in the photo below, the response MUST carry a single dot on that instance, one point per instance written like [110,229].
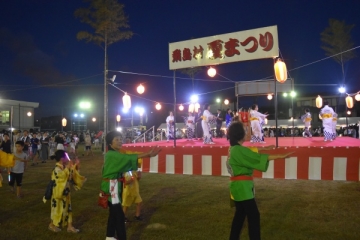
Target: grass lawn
[181,207]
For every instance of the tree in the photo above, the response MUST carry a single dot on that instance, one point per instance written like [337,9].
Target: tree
[191,72]
[109,24]
[336,39]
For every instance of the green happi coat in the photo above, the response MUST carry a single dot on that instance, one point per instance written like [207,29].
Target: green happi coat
[243,161]
[115,165]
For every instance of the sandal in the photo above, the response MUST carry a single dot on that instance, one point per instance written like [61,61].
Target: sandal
[73,230]
[54,228]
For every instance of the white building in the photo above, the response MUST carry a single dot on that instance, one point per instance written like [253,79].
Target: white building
[17,115]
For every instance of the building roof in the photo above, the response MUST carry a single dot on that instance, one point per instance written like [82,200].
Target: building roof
[17,103]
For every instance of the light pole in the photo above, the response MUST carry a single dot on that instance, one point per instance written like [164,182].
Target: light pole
[342,91]
[218,100]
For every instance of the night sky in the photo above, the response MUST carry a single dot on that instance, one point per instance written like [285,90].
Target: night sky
[42,61]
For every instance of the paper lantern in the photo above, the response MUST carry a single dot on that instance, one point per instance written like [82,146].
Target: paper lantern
[191,107]
[349,102]
[140,89]
[197,107]
[357,97]
[269,96]
[319,102]
[226,102]
[63,122]
[118,118]
[29,114]
[266,121]
[158,106]
[211,72]
[181,107]
[126,101]
[280,71]
[94,119]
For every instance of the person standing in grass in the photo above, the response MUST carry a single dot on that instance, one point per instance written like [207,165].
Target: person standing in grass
[88,145]
[16,172]
[241,163]
[115,165]
[64,174]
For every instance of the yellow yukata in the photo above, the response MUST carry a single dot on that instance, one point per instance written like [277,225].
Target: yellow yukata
[7,160]
[61,209]
[131,191]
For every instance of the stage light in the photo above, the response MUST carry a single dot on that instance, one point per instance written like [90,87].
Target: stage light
[342,90]
[194,98]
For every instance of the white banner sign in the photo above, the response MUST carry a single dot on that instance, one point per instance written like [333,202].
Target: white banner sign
[231,47]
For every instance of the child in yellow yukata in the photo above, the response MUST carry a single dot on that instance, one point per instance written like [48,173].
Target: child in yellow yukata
[7,160]
[131,191]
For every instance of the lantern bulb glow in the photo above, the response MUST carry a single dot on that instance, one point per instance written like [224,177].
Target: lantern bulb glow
[211,72]
[181,107]
[140,89]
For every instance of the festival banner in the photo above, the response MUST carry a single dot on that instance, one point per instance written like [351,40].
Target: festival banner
[231,47]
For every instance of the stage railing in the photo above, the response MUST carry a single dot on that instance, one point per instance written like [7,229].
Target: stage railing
[143,135]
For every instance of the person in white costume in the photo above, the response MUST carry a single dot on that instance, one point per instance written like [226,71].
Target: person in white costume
[327,118]
[334,122]
[190,125]
[207,119]
[256,118]
[306,118]
[170,126]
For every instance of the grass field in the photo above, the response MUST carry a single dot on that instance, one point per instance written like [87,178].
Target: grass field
[182,207]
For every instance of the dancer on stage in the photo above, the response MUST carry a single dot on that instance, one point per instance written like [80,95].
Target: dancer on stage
[306,118]
[327,118]
[334,122]
[207,120]
[170,126]
[190,125]
[198,127]
[256,118]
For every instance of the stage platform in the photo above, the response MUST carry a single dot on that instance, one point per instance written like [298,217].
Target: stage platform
[312,159]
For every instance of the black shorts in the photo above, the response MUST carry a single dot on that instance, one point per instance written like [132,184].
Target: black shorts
[15,177]
[88,147]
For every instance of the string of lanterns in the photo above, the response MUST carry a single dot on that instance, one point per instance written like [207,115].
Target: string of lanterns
[194,106]
[349,100]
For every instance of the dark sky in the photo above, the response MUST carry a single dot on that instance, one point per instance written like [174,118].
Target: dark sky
[39,49]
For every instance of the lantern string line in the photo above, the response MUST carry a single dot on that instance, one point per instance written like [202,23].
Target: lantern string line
[163,76]
[325,58]
[352,94]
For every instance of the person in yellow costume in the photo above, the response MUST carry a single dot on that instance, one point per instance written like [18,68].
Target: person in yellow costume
[64,174]
[131,190]
[7,160]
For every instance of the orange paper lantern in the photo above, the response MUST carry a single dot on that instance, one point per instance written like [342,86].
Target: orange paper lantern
[349,102]
[319,102]
[280,71]
[126,101]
